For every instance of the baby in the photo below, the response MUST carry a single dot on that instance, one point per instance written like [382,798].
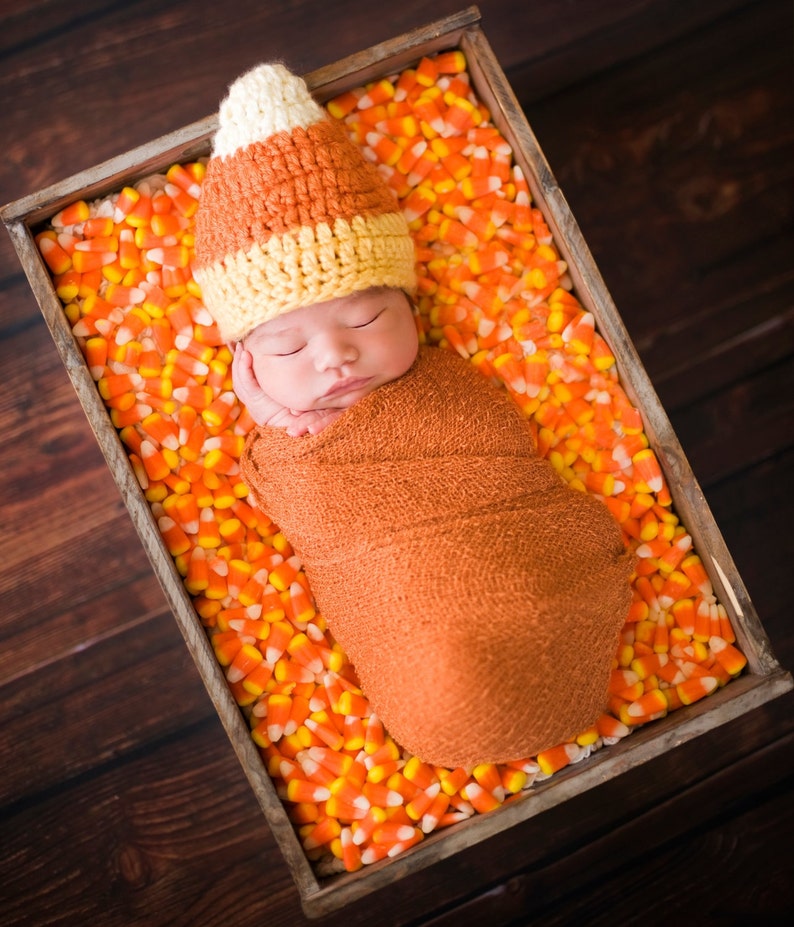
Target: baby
[478,597]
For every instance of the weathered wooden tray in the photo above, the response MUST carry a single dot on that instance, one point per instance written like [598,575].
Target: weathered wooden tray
[764,678]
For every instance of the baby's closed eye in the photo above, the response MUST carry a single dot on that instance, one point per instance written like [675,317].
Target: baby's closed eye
[287,352]
[368,321]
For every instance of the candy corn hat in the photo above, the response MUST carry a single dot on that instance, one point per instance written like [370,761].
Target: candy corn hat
[291,212]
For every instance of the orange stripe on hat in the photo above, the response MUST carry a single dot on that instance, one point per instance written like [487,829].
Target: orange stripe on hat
[283,183]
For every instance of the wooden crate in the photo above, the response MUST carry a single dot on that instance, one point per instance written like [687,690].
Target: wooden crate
[764,679]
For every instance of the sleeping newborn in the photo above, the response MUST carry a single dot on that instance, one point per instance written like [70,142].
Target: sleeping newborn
[477,595]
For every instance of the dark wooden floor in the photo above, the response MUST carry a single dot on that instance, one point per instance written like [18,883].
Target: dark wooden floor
[669,128]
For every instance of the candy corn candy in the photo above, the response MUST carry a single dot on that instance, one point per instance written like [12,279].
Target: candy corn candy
[350,851]
[647,471]
[257,679]
[692,567]
[278,712]
[71,215]
[691,690]
[301,649]
[676,586]
[378,92]
[174,537]
[487,775]
[179,176]
[324,731]
[342,105]
[245,661]
[729,657]
[556,758]
[303,790]
[651,704]
[578,333]
[421,803]
[55,256]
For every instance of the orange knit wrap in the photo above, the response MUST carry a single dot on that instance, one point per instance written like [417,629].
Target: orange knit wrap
[477,595]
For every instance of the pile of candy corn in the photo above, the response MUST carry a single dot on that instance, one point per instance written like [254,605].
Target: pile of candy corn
[492,287]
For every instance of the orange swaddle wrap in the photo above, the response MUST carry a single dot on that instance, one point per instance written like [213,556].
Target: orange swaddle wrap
[478,597]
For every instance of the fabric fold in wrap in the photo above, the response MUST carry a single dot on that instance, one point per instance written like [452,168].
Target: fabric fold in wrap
[478,597]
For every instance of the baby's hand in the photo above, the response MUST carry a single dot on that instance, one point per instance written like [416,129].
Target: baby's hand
[266,411]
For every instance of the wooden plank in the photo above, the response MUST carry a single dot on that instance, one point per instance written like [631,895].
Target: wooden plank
[154,830]
[598,43]
[128,688]
[754,510]
[73,90]
[701,374]
[142,845]
[763,402]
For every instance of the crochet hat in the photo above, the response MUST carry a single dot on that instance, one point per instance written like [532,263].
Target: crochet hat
[291,212]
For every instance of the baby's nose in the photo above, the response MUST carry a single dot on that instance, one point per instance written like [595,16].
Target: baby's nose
[334,350]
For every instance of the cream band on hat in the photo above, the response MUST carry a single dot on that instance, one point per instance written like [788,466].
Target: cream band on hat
[291,212]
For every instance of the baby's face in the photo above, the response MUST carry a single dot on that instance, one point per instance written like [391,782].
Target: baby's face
[330,355]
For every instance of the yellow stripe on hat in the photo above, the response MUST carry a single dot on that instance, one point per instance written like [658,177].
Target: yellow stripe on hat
[305,266]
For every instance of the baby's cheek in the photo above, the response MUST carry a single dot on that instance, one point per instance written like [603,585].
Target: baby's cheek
[409,349]
[266,375]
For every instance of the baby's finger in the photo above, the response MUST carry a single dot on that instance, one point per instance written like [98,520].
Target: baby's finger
[243,376]
[240,358]
[321,420]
